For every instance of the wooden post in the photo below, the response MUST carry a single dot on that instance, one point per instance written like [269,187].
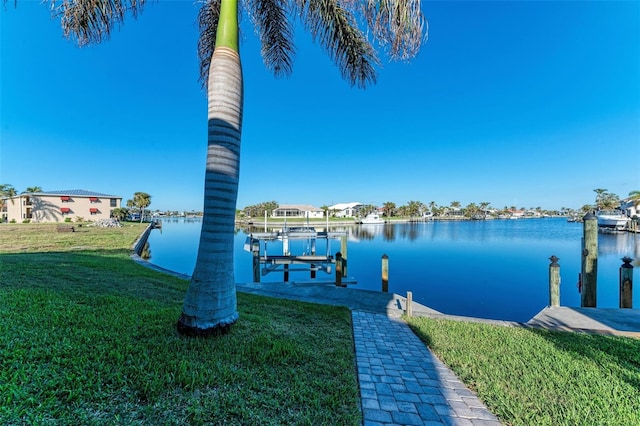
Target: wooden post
[338,269]
[589,261]
[626,283]
[313,271]
[286,273]
[409,303]
[343,250]
[256,263]
[385,273]
[554,281]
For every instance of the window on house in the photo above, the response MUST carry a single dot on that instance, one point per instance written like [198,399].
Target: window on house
[93,211]
[114,202]
[65,199]
[93,199]
[65,210]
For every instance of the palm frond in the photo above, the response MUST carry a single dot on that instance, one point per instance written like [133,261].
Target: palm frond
[208,17]
[336,29]
[398,24]
[91,21]
[276,34]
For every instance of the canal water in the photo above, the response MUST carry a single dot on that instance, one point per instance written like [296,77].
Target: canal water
[496,269]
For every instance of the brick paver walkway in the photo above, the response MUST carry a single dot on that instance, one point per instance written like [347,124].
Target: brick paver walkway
[403,383]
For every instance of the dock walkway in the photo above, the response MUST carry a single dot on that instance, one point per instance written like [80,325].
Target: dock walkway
[401,381]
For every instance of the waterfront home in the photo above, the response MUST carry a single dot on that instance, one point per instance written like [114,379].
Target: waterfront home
[346,209]
[58,206]
[298,210]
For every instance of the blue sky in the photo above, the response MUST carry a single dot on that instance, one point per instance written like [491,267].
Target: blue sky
[530,104]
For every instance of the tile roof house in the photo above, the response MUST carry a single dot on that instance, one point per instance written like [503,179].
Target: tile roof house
[56,206]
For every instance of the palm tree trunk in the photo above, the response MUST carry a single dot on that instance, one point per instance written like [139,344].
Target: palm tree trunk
[210,305]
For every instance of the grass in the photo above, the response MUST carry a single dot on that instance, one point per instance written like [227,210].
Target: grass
[540,377]
[88,337]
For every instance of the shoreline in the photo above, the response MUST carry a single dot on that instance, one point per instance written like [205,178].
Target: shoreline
[354,221]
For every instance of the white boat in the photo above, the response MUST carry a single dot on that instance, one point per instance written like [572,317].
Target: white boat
[427,216]
[612,220]
[372,219]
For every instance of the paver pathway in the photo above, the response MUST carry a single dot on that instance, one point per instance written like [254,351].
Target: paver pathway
[403,383]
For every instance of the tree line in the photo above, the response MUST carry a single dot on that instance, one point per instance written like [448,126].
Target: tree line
[605,200]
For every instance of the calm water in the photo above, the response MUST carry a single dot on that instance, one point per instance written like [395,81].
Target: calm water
[490,269]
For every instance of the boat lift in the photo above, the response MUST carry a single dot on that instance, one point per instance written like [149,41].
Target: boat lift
[264,263]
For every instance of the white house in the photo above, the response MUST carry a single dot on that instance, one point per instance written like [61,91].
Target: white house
[345,209]
[298,210]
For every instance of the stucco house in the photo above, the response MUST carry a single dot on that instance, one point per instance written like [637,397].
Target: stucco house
[297,210]
[57,206]
[345,209]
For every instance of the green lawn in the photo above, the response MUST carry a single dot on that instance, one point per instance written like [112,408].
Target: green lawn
[88,337]
[540,377]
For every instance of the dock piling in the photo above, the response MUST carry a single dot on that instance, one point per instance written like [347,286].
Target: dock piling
[338,269]
[385,273]
[554,281]
[409,303]
[343,250]
[256,264]
[589,261]
[626,283]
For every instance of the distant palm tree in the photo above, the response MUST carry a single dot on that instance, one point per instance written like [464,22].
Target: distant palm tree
[142,200]
[398,26]
[414,208]
[455,205]
[389,208]
[634,197]
[119,213]
[433,206]
[32,189]
[6,192]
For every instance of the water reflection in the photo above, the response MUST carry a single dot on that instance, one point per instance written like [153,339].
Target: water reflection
[491,269]
[146,251]
[620,244]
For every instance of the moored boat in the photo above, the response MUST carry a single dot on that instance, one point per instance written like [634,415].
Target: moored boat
[372,219]
[612,220]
